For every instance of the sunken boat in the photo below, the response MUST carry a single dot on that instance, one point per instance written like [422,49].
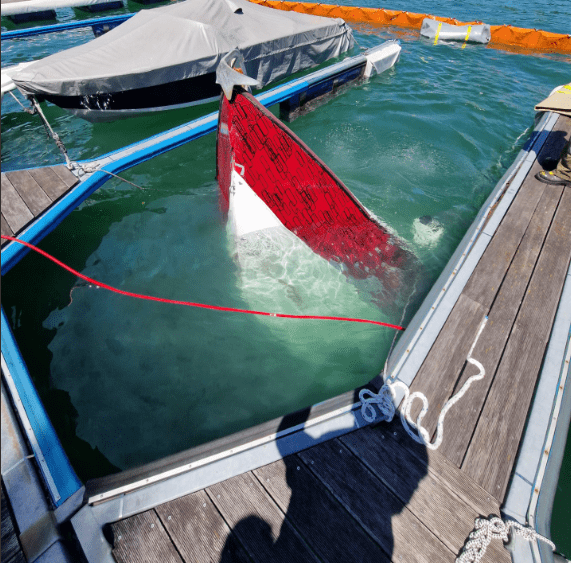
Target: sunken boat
[274,188]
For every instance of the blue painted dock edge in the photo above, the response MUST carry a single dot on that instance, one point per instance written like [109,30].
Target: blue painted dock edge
[61,473]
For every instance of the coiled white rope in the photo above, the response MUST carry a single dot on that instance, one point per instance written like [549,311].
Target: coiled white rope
[385,400]
[485,530]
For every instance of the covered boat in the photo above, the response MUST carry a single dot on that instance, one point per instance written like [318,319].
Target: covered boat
[166,58]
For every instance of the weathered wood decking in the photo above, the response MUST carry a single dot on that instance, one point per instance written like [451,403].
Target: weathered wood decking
[11,548]
[26,194]
[517,283]
[364,497]
[374,494]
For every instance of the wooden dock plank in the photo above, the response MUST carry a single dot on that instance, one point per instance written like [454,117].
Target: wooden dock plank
[67,177]
[426,497]
[440,468]
[490,347]
[501,424]
[30,191]
[257,521]
[198,531]
[27,194]
[322,522]
[51,183]
[384,516]
[143,539]
[6,230]
[14,210]
[11,550]
[486,279]
[443,364]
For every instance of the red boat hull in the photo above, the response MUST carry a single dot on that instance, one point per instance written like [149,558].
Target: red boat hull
[303,192]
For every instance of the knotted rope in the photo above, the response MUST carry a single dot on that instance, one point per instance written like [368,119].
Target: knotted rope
[385,399]
[487,529]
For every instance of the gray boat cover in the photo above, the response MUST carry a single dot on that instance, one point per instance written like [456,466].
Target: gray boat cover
[184,40]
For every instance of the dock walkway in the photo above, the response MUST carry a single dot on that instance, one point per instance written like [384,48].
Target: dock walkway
[374,494]
[366,496]
[518,284]
[11,548]
[27,194]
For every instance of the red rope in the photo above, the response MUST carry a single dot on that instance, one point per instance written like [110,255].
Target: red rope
[189,303]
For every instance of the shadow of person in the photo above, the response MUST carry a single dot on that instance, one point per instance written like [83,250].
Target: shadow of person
[550,150]
[340,496]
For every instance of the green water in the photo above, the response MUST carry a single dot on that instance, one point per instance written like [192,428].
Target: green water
[561,514]
[126,382]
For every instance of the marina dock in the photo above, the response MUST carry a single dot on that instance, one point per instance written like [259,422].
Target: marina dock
[373,494]
[11,549]
[323,484]
[27,194]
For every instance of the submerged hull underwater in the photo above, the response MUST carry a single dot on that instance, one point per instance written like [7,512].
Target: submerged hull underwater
[272,186]
[166,58]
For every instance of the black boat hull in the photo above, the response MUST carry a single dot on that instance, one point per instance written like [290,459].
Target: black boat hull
[116,105]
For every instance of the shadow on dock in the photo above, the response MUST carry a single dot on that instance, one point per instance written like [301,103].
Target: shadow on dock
[549,148]
[338,506]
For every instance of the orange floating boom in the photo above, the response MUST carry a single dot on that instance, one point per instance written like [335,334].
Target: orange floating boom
[504,36]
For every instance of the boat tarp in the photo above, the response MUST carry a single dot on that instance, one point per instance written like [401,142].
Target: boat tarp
[188,39]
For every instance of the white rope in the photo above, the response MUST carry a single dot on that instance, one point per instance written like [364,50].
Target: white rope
[27,110]
[385,400]
[485,530]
